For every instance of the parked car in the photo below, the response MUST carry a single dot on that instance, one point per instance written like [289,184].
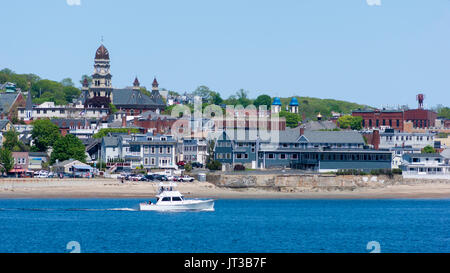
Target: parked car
[197,165]
[147,177]
[181,163]
[186,178]
[160,177]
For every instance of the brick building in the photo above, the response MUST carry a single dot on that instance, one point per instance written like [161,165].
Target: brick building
[378,118]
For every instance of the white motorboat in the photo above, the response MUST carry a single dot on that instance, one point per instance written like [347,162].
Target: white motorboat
[169,199]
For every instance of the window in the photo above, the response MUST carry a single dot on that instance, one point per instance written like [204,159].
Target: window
[152,161]
[145,149]
[145,160]
[176,198]
[160,150]
[153,150]
[271,156]
[282,156]
[168,150]
[166,199]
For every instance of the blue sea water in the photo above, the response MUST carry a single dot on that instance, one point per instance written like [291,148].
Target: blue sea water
[110,225]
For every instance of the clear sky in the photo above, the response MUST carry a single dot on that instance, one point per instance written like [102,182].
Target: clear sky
[376,52]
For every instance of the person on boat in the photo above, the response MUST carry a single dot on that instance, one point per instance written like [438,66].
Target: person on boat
[149,202]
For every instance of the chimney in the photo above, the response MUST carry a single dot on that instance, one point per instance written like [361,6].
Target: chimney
[376,139]
[124,121]
[302,130]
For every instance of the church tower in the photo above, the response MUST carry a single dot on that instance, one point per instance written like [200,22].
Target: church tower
[100,92]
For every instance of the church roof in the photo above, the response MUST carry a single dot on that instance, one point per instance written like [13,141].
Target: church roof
[136,82]
[29,104]
[102,53]
[134,97]
[155,83]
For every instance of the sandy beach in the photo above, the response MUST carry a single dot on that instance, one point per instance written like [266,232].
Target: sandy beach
[111,188]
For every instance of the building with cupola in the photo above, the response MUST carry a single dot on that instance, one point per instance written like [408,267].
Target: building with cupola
[131,100]
[100,92]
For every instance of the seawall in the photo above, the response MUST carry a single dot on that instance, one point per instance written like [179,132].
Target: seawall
[312,182]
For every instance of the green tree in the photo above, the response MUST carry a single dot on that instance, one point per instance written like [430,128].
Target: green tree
[89,79]
[112,108]
[105,131]
[67,82]
[188,167]
[12,143]
[44,134]
[350,122]
[263,100]
[205,93]
[292,119]
[6,160]
[428,150]
[68,147]
[242,97]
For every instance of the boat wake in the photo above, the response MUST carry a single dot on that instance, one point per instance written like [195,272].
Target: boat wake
[68,209]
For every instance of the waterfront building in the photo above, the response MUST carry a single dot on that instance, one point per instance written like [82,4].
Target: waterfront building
[294,148]
[390,138]
[425,166]
[146,150]
[195,150]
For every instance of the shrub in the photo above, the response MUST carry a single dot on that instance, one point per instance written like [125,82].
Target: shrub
[188,167]
[239,167]
[214,165]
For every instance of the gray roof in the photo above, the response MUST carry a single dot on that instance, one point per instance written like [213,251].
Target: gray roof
[320,125]
[111,141]
[423,155]
[29,105]
[135,97]
[7,100]
[291,135]
[152,115]
[3,123]
[334,137]
[446,153]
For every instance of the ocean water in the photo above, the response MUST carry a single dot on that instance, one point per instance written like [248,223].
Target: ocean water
[111,225]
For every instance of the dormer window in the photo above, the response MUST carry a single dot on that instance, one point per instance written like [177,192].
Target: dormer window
[163,138]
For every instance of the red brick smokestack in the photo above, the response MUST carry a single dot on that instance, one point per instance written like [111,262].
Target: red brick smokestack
[376,139]
[124,121]
[302,130]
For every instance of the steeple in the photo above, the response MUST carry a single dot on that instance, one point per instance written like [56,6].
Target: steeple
[29,107]
[136,84]
[155,85]
[100,91]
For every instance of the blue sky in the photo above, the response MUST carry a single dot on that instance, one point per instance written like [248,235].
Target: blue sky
[373,54]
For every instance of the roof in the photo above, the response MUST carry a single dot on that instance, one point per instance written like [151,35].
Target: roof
[334,137]
[3,123]
[111,141]
[7,100]
[446,153]
[29,105]
[320,125]
[152,115]
[276,101]
[135,97]
[66,162]
[294,102]
[102,53]
[423,155]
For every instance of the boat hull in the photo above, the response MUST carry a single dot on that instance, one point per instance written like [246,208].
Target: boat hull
[188,205]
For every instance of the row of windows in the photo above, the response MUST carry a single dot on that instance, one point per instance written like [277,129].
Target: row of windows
[377,122]
[160,150]
[163,161]
[331,157]
[418,138]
